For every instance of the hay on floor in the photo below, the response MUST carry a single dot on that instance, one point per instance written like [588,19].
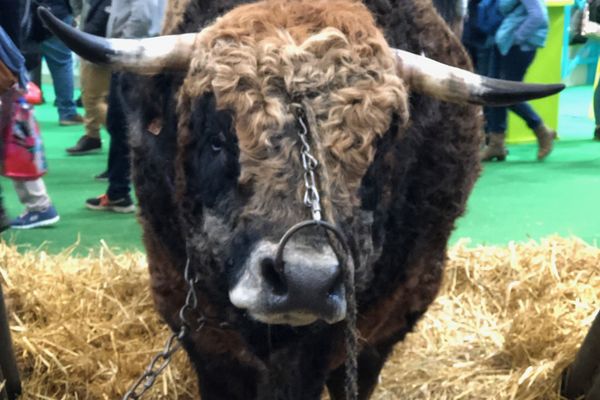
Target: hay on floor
[508,320]
[85,328]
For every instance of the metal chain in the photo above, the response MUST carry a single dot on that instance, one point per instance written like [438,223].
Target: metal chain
[160,361]
[312,199]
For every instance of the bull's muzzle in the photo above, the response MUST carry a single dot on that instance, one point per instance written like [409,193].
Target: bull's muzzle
[306,287]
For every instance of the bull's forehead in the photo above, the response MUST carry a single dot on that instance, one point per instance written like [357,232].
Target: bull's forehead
[266,59]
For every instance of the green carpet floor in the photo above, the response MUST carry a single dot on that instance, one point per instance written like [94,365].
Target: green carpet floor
[70,182]
[515,200]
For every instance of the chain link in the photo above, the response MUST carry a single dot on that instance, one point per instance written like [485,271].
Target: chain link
[160,361]
[312,199]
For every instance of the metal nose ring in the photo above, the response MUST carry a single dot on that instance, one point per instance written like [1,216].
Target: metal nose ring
[303,225]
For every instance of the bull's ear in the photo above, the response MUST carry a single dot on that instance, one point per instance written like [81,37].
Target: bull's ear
[145,56]
[456,85]
[142,98]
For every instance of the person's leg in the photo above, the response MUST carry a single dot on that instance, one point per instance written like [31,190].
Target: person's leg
[496,122]
[472,50]
[120,170]
[495,117]
[39,209]
[514,66]
[117,197]
[597,112]
[60,62]
[4,221]
[32,194]
[95,82]
[6,111]
[527,114]
[486,66]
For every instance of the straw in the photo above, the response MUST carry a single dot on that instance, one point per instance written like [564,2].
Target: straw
[506,323]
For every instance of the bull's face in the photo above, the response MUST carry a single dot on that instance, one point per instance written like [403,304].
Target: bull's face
[250,78]
[240,204]
[244,180]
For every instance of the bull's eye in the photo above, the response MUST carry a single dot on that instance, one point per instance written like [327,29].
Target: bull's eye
[216,144]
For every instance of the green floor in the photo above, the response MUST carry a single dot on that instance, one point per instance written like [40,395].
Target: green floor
[69,182]
[515,200]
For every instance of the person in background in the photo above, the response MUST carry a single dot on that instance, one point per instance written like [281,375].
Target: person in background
[596,136]
[128,19]
[453,12]
[95,79]
[522,31]
[10,21]
[479,41]
[597,113]
[59,59]
[39,210]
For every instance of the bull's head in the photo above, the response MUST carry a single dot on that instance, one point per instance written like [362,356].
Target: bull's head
[254,78]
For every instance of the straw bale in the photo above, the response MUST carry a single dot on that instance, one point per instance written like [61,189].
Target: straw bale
[506,323]
[85,328]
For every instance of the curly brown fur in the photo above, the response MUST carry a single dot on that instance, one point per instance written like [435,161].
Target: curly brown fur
[256,69]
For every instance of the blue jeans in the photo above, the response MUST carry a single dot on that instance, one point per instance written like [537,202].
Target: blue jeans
[483,58]
[511,67]
[60,62]
[597,105]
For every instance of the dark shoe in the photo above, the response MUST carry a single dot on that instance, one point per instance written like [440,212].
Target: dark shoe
[73,120]
[85,145]
[4,221]
[494,149]
[597,134]
[103,203]
[545,137]
[36,219]
[102,176]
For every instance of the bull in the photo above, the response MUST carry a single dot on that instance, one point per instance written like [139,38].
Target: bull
[366,112]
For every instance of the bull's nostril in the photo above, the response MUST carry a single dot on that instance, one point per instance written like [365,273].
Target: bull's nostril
[273,277]
[336,288]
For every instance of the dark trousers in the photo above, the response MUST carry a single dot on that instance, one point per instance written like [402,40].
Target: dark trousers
[597,105]
[511,67]
[119,169]
[483,58]
[10,19]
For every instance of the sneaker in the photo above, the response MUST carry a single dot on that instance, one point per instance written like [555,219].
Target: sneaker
[103,176]
[85,145]
[103,203]
[36,219]
[597,134]
[73,120]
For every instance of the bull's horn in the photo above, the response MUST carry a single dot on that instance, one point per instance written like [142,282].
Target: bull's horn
[456,85]
[145,56]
